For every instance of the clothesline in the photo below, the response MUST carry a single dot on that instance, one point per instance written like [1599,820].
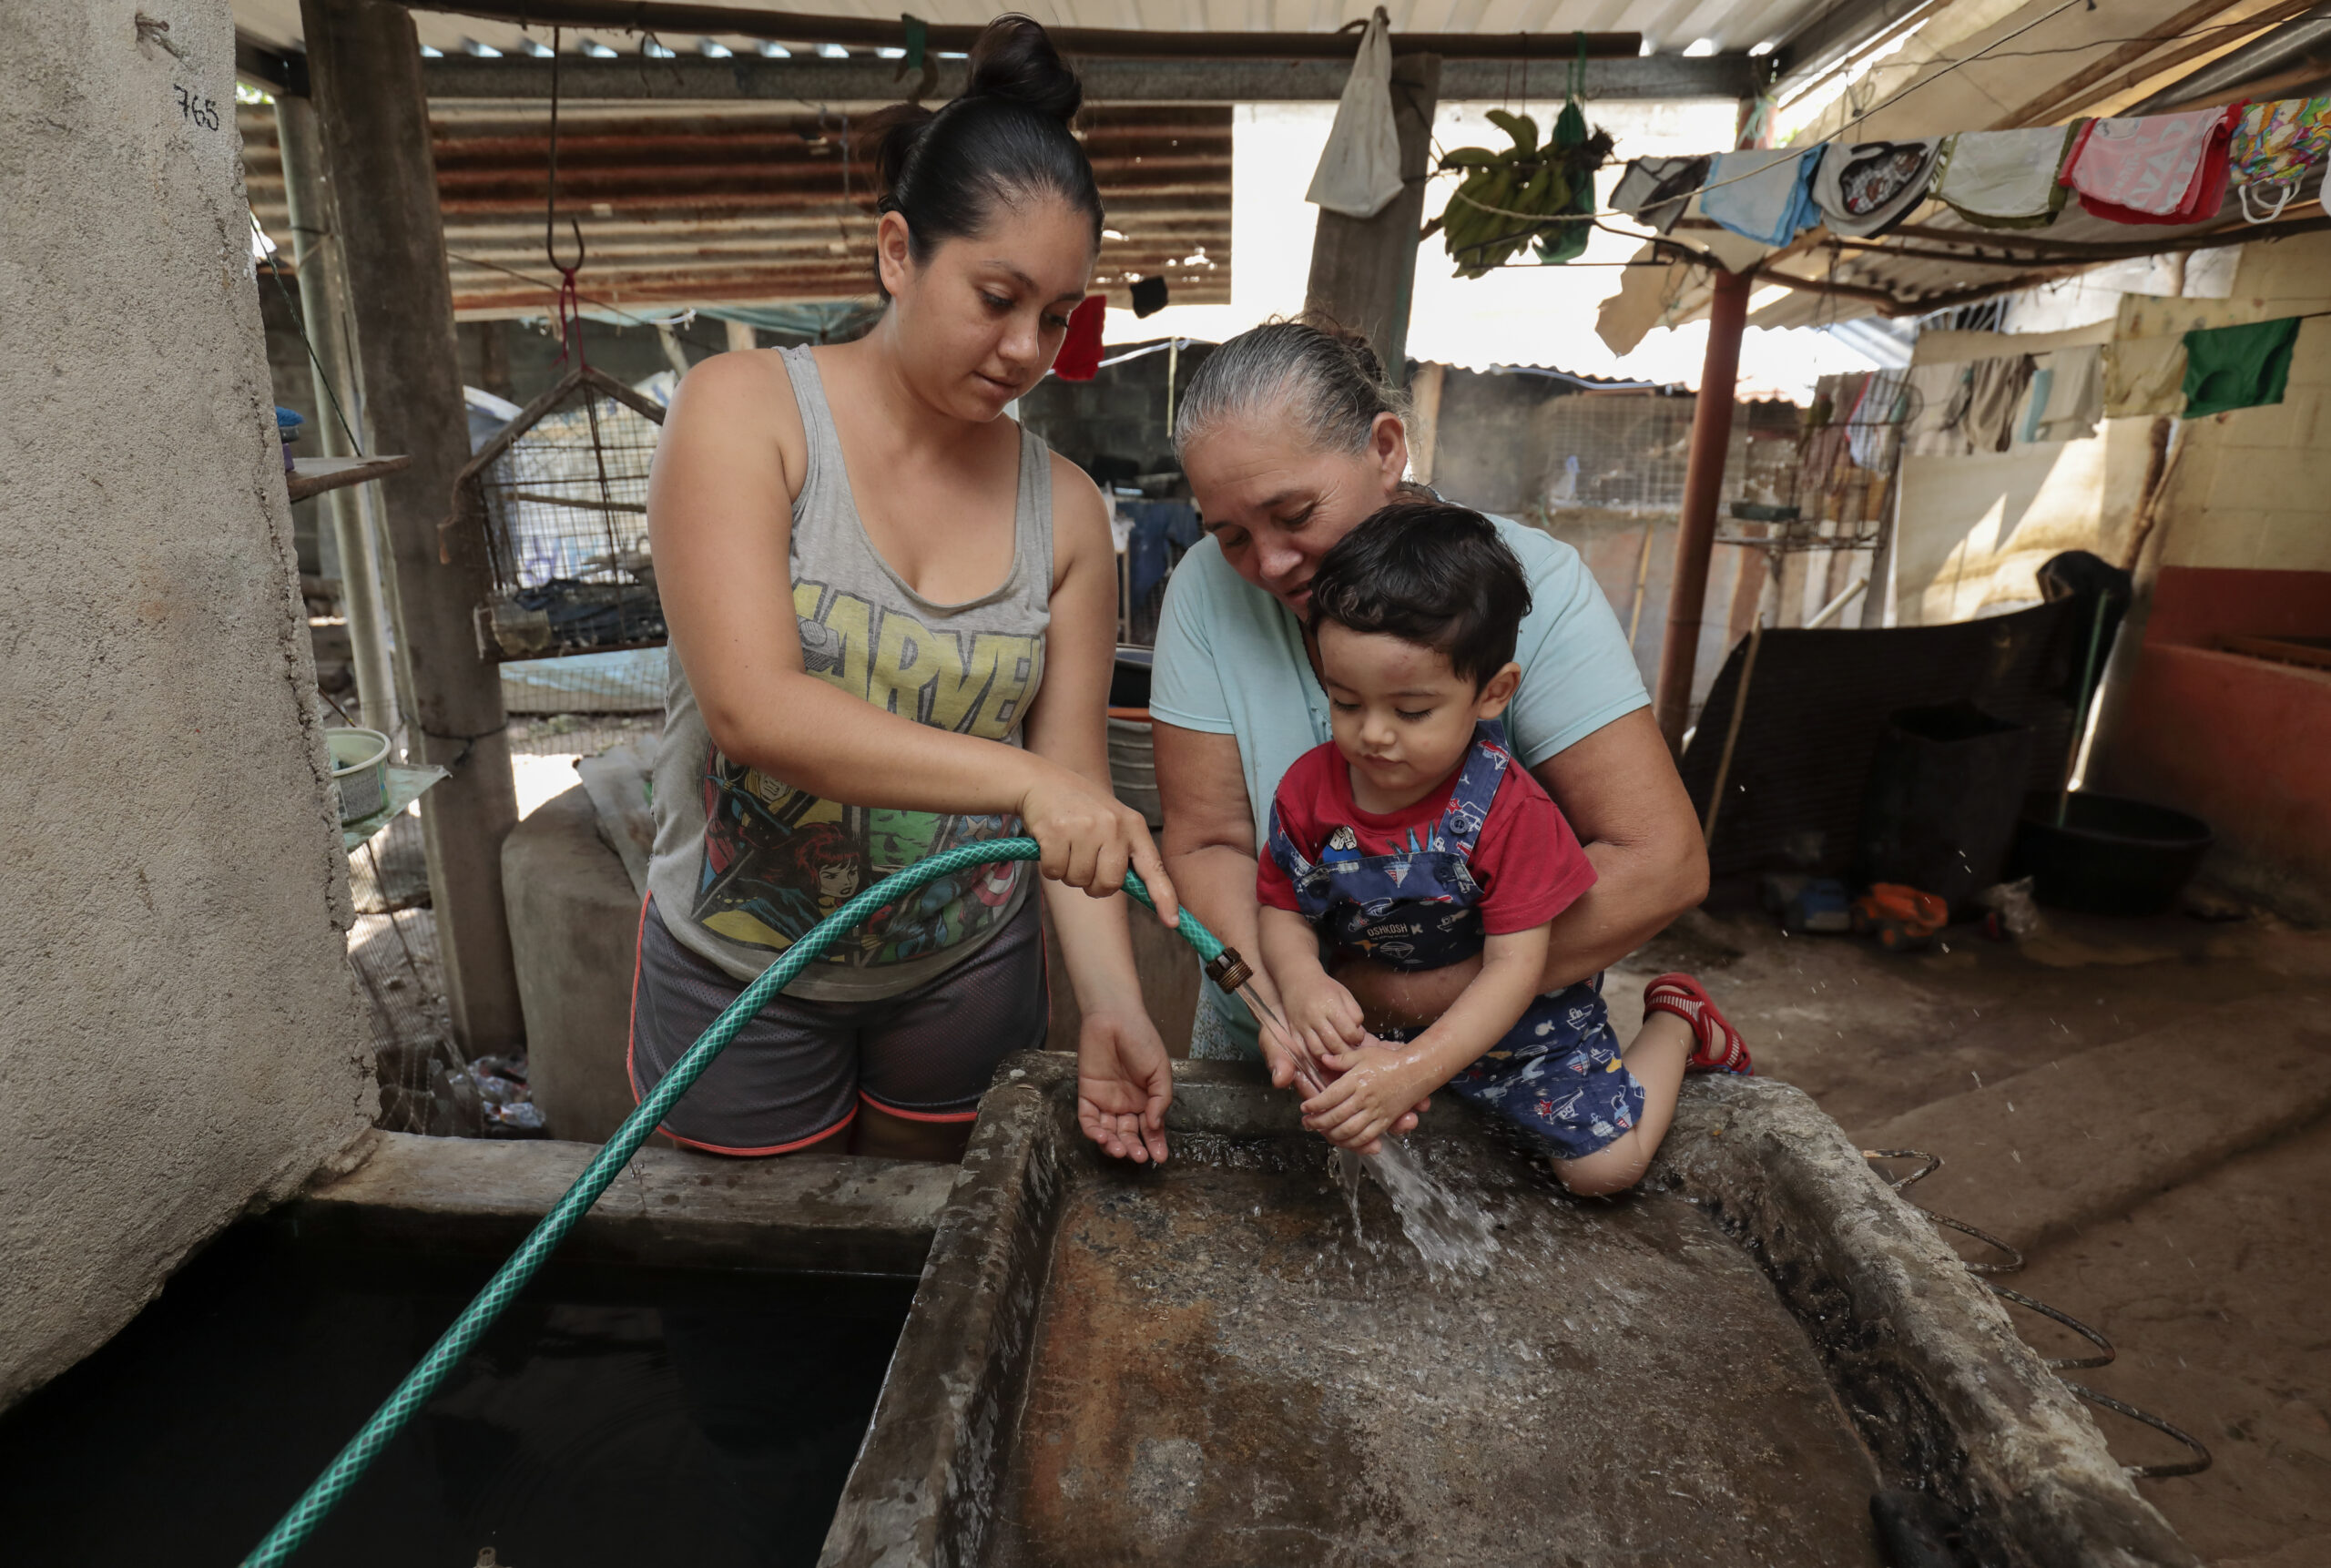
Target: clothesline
[2156,169]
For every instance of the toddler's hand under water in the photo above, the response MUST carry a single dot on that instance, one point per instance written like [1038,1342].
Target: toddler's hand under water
[1379,1088]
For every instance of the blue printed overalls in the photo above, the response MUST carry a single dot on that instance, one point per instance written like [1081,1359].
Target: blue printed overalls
[1556,1073]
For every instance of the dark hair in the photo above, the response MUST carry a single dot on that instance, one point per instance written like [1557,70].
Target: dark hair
[1431,573]
[1322,373]
[1006,138]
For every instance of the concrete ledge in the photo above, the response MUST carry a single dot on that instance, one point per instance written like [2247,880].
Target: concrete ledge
[1940,1386]
[2090,1136]
[669,1208]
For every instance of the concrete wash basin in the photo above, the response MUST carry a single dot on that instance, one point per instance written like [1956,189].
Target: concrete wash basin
[1198,1366]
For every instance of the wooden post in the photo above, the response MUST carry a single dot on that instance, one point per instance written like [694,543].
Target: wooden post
[1424,419]
[364,63]
[1364,269]
[1702,483]
[741,336]
[353,511]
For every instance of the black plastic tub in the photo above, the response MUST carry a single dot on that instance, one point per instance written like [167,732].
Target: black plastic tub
[2112,856]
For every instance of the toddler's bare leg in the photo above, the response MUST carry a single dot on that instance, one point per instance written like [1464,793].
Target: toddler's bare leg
[1662,1047]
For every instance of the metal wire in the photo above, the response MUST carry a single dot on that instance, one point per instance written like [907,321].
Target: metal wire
[2057,1364]
[2147,1472]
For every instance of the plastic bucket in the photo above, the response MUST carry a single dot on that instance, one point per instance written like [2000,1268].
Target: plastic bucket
[360,766]
[1132,763]
[2112,856]
[1939,808]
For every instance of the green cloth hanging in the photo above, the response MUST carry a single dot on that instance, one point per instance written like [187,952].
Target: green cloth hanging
[2238,367]
[1566,240]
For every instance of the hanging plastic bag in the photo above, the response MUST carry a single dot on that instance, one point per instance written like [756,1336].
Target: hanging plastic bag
[1360,171]
[1571,148]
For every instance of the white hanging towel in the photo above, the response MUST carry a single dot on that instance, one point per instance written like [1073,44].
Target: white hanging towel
[2075,395]
[2005,180]
[1360,171]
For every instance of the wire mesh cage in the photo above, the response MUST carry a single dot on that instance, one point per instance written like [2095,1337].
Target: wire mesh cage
[557,505]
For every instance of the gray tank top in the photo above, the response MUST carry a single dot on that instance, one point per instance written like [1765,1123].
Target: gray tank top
[745,863]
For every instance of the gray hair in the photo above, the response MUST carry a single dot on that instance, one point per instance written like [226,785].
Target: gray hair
[1324,375]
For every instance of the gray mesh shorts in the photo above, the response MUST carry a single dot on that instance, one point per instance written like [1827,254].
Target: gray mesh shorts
[797,1071]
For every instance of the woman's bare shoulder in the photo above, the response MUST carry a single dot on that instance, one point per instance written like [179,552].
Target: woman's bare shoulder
[741,403]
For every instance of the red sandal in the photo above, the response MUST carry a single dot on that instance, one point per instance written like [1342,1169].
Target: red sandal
[1720,1047]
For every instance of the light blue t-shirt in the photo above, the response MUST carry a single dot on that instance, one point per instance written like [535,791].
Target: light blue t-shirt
[1230,661]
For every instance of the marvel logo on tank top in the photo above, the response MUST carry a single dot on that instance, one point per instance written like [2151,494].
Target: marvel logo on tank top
[778,859]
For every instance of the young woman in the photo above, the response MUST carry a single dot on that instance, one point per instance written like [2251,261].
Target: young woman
[893,620]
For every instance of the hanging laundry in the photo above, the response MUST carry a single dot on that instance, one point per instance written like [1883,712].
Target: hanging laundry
[1656,190]
[1995,394]
[2273,150]
[2160,168]
[2238,367]
[2074,398]
[1766,195]
[2144,375]
[1876,420]
[2035,404]
[2005,180]
[1933,392]
[1866,188]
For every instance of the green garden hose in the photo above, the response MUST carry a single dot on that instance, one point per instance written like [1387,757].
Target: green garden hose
[305,1514]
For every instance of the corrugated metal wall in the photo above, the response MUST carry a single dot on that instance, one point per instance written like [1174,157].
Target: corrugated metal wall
[698,204]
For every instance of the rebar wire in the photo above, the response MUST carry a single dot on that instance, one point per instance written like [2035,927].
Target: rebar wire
[2194,1466]
[2056,1364]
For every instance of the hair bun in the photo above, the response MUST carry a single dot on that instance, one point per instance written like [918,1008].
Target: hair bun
[1014,60]
[1350,340]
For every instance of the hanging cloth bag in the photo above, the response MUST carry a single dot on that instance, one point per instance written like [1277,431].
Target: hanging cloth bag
[2156,168]
[1360,171]
[2273,150]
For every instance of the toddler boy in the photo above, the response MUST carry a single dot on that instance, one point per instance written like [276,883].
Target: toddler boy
[1413,842]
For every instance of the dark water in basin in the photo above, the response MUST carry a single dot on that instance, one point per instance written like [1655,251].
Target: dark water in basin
[612,1416]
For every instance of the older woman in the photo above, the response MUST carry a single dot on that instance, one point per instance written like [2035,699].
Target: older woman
[1290,435]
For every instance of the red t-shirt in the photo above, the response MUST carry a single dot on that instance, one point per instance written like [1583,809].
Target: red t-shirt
[1527,861]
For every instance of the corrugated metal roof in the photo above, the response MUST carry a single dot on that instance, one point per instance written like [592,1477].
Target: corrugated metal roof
[698,204]
[1669,26]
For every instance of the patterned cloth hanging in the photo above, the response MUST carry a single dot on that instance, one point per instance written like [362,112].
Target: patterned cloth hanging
[1864,188]
[2273,150]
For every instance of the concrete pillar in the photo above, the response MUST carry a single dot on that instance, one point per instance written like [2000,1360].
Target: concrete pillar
[364,63]
[1702,483]
[1364,269]
[353,511]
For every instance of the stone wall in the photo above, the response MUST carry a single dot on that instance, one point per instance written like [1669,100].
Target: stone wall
[182,1034]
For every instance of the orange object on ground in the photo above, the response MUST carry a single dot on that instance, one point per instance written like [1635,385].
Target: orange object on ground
[1900,917]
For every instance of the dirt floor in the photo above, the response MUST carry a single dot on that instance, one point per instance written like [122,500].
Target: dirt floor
[2215,1292]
